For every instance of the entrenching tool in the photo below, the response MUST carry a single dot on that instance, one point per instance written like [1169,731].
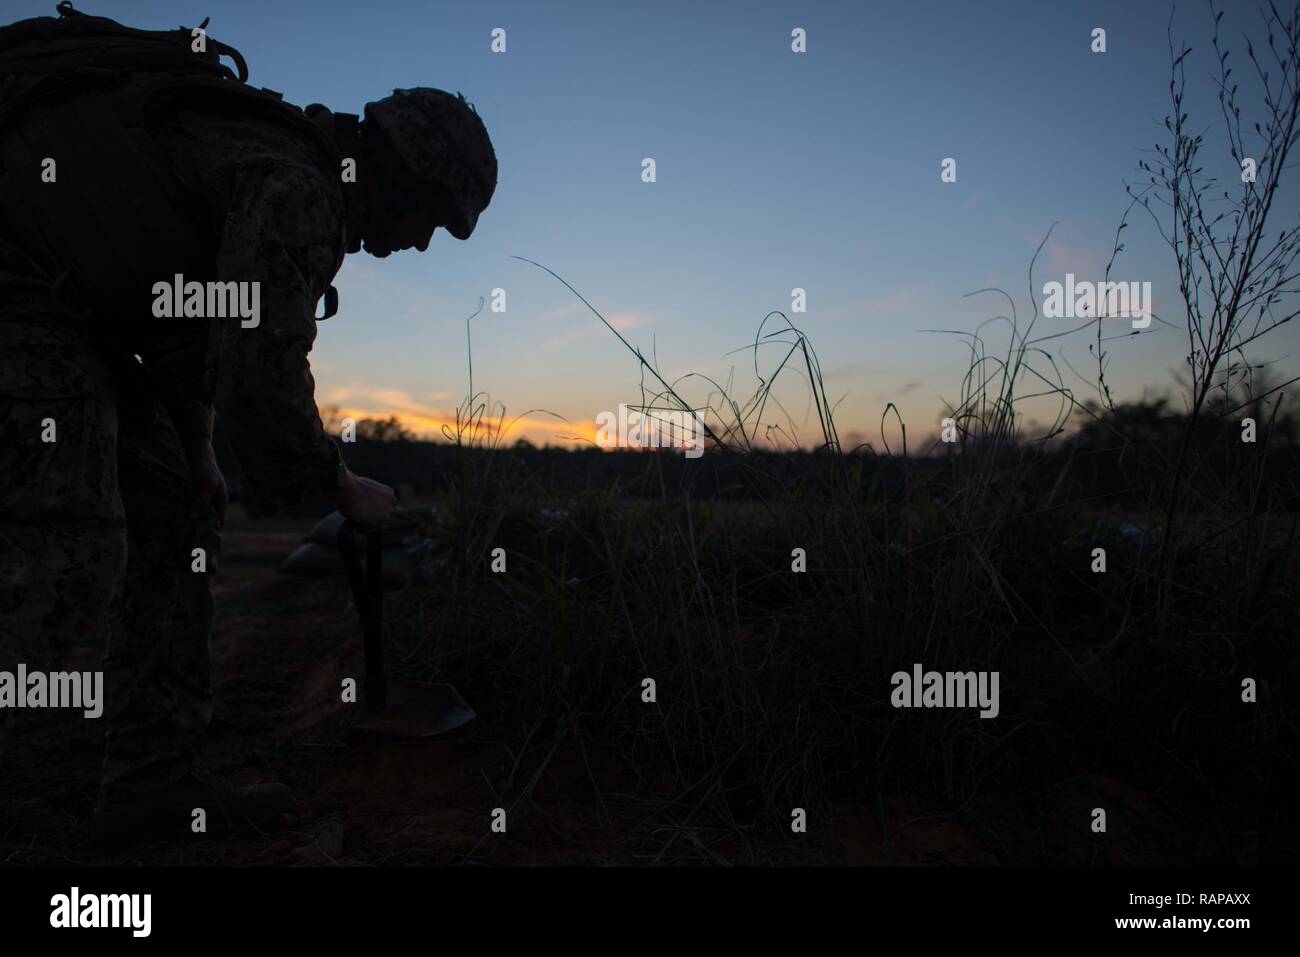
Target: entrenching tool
[394,706]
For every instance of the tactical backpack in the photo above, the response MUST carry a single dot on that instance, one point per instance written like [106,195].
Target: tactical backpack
[81,91]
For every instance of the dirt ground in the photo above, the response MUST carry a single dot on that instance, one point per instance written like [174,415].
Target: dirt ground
[281,647]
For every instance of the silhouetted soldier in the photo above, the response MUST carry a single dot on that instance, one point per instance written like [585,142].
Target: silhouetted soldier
[166,163]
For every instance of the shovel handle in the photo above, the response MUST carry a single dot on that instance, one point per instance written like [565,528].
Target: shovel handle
[368,595]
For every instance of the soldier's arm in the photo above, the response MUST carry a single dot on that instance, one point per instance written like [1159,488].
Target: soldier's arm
[284,232]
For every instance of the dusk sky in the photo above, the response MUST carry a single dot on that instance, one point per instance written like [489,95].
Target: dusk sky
[775,170]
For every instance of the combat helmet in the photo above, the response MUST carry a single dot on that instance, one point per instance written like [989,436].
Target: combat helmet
[440,139]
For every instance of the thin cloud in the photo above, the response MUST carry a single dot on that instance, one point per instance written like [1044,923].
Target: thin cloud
[1062,259]
[623,322]
[564,311]
[897,393]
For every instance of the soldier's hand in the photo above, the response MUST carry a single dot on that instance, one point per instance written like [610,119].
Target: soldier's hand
[365,501]
[209,483]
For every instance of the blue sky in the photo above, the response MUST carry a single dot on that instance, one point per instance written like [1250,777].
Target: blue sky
[775,170]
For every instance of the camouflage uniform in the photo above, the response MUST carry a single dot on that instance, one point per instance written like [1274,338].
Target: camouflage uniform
[97,528]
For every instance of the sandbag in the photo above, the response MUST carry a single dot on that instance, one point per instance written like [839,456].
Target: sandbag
[410,557]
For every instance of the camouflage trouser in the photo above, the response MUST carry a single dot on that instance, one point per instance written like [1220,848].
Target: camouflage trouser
[97,530]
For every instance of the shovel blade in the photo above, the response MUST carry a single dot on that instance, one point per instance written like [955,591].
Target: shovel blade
[415,709]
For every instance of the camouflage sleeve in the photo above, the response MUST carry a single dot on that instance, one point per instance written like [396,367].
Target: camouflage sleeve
[284,232]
